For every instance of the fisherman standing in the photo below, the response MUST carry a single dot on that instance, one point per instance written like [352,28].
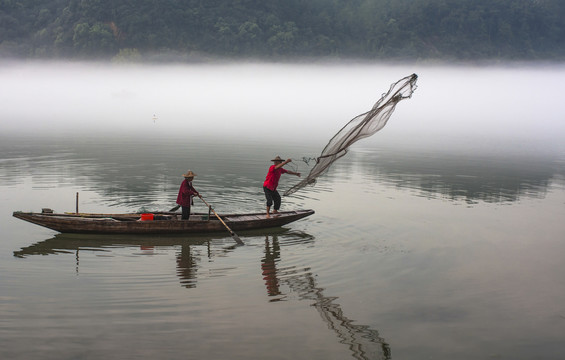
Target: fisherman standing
[272,181]
[186,192]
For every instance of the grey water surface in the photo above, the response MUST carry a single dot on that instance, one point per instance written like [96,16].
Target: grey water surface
[443,246]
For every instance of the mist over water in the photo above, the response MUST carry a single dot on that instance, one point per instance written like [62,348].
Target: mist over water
[441,236]
[494,107]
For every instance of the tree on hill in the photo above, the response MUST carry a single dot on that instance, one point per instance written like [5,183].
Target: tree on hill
[370,29]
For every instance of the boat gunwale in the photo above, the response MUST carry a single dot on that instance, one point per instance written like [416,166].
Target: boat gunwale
[111,224]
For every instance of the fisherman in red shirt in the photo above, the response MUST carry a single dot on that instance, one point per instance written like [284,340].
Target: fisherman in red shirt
[272,181]
[186,192]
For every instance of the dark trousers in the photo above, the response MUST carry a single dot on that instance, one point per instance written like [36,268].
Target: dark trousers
[272,197]
[185,212]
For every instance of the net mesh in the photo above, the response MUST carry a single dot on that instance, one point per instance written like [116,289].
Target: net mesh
[358,128]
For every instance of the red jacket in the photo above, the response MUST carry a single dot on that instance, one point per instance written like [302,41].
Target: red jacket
[186,192]
[273,176]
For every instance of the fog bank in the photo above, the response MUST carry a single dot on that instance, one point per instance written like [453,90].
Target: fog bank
[282,102]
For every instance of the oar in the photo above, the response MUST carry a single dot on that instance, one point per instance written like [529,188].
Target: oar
[175,208]
[234,235]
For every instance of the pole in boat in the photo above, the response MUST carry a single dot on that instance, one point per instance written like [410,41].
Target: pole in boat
[77,204]
[233,235]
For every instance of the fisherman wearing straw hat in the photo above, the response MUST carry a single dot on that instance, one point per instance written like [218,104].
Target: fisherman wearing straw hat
[272,181]
[186,192]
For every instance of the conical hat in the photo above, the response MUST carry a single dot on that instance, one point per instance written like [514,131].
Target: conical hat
[189,174]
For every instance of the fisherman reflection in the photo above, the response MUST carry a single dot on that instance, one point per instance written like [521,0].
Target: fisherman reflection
[268,266]
[363,342]
[186,267]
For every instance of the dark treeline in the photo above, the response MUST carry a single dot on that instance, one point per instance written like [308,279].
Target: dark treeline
[270,29]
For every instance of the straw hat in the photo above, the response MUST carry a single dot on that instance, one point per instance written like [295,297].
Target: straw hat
[189,174]
[278,158]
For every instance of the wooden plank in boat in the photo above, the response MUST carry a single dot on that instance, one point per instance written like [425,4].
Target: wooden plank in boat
[242,218]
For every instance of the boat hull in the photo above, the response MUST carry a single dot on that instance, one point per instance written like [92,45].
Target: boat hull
[165,223]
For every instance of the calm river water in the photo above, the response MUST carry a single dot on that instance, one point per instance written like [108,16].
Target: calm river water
[410,255]
[441,237]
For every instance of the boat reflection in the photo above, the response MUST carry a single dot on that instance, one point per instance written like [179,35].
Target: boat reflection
[363,342]
[69,243]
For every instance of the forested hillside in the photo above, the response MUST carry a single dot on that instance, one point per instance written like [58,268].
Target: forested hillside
[272,29]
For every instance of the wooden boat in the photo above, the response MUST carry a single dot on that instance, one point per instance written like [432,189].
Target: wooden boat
[162,223]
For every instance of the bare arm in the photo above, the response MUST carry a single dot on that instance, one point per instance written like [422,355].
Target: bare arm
[288,171]
[283,163]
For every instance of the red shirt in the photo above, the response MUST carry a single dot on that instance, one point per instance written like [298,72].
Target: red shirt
[186,192]
[273,176]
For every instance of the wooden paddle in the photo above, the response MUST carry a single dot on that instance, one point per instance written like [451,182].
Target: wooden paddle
[175,208]
[234,235]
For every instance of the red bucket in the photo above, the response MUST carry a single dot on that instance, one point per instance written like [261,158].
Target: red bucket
[146,217]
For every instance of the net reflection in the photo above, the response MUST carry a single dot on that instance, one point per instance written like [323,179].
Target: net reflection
[363,342]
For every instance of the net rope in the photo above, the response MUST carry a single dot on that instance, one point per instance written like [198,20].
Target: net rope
[360,127]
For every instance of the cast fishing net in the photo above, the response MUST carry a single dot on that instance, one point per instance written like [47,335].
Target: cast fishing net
[358,128]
